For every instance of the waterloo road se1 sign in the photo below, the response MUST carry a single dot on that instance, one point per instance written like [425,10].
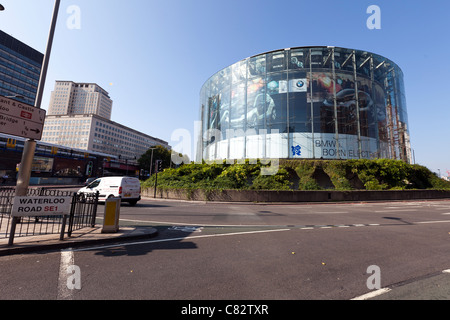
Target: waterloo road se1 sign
[21,119]
[41,206]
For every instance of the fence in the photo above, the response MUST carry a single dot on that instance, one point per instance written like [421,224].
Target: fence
[82,214]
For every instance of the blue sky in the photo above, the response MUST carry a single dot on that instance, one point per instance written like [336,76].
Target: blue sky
[153,56]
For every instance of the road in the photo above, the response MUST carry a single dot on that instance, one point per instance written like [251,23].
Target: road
[231,251]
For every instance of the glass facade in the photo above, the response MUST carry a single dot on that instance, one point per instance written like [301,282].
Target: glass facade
[305,103]
[20,69]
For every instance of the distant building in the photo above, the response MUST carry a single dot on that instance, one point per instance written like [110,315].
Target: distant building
[92,132]
[70,98]
[20,69]
[79,117]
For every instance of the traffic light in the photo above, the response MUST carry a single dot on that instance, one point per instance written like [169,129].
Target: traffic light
[89,168]
[159,166]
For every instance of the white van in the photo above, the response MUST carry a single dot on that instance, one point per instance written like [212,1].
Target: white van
[126,188]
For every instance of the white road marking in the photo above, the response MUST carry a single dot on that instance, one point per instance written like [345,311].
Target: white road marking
[179,239]
[372,294]
[67,260]
[435,221]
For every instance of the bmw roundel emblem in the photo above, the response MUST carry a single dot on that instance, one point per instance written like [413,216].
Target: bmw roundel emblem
[300,83]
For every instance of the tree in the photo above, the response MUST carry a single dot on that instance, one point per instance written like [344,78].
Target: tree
[159,153]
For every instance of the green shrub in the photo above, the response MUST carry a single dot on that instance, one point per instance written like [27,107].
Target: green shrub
[337,171]
[279,181]
[305,170]
[380,174]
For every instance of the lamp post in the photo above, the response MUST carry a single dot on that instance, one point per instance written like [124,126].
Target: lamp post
[23,180]
[151,163]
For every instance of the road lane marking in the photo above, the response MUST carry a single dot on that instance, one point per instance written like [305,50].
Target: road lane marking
[179,239]
[372,294]
[434,221]
[395,210]
[67,260]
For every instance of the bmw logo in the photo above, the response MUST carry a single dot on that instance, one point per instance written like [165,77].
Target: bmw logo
[300,83]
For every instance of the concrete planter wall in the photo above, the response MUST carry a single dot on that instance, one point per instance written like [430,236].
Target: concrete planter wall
[294,196]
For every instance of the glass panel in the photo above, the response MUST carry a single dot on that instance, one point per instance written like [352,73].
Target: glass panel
[276,102]
[346,104]
[297,58]
[224,112]
[322,98]
[238,107]
[257,66]
[256,103]
[299,109]
[276,61]
[239,71]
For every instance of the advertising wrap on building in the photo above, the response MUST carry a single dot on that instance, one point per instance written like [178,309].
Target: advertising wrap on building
[306,103]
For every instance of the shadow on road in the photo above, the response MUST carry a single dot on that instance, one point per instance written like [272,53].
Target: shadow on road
[169,238]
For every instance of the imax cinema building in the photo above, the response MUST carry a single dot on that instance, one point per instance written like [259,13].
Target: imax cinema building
[305,103]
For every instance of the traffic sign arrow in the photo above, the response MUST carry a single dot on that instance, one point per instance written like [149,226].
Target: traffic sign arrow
[14,113]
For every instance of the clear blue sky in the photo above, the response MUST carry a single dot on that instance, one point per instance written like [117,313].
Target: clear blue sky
[153,56]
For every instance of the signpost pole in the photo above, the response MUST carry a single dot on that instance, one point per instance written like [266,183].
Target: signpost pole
[23,180]
[30,145]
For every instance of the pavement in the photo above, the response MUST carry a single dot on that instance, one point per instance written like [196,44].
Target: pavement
[80,238]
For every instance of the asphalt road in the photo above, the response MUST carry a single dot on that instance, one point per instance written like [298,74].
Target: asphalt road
[230,251]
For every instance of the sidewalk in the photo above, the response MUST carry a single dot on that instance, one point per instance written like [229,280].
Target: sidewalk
[80,238]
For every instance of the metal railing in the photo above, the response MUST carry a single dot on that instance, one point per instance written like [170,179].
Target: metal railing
[82,214]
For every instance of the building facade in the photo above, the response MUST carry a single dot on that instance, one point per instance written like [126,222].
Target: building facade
[92,132]
[305,103]
[70,98]
[79,117]
[20,69]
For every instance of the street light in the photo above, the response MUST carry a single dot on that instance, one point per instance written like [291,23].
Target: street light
[2,8]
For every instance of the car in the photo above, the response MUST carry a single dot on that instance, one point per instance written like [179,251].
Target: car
[128,189]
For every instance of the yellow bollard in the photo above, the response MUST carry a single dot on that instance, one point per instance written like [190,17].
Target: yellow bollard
[112,214]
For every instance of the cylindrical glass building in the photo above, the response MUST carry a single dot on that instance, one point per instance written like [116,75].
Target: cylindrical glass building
[308,103]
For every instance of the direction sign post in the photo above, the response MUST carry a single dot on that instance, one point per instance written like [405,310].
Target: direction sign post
[30,145]
[20,119]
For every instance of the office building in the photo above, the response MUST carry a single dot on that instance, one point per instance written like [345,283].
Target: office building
[70,98]
[97,134]
[20,69]
[79,117]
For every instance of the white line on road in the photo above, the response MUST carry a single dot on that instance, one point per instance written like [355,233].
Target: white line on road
[372,294]
[67,260]
[436,221]
[395,210]
[179,239]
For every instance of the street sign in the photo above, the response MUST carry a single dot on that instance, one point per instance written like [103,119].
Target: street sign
[41,206]
[21,119]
